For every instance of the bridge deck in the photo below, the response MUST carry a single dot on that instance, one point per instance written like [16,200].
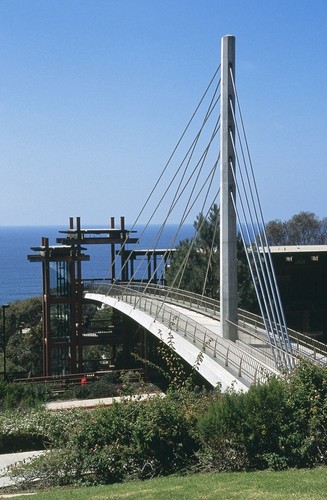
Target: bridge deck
[195,337]
[192,324]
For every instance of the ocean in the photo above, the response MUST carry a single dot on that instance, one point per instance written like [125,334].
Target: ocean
[21,279]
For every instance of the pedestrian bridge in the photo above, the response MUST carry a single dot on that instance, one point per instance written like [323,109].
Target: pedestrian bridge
[228,252]
[190,324]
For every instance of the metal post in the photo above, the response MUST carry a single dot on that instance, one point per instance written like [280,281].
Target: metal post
[113,253]
[4,307]
[228,257]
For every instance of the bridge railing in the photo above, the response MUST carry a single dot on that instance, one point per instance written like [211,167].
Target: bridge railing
[258,345]
[227,353]
[249,323]
[303,345]
[187,299]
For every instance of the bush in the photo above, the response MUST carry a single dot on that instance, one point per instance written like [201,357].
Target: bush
[278,424]
[27,430]
[222,449]
[19,395]
[126,441]
[275,425]
[304,436]
[146,439]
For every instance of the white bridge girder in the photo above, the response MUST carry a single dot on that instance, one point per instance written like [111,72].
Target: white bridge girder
[209,368]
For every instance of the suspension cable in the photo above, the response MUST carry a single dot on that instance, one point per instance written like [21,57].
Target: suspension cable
[212,106]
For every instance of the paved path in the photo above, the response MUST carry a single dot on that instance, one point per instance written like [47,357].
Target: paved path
[92,403]
[10,459]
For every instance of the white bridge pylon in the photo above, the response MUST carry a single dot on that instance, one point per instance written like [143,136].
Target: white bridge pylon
[193,335]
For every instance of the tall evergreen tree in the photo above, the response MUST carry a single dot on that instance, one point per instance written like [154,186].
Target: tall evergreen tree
[195,264]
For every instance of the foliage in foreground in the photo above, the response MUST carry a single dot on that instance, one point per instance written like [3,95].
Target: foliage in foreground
[276,425]
[22,396]
[280,424]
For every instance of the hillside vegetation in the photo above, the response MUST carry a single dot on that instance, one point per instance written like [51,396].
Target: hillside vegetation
[278,425]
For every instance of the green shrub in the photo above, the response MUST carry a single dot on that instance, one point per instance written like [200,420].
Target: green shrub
[278,424]
[304,436]
[126,441]
[19,395]
[275,425]
[222,449]
[262,423]
[154,435]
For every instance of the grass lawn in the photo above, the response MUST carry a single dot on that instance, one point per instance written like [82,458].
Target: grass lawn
[302,484]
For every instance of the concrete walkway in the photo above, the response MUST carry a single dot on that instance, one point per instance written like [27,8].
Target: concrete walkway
[9,459]
[92,403]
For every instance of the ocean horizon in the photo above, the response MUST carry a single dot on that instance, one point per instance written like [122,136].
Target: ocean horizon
[21,279]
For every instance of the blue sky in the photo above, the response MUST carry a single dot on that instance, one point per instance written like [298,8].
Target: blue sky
[95,93]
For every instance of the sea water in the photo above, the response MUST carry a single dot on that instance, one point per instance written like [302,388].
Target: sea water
[21,279]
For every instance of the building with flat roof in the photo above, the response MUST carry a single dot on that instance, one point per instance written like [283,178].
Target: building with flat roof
[301,273]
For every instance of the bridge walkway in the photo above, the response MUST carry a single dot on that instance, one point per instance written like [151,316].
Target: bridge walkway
[193,333]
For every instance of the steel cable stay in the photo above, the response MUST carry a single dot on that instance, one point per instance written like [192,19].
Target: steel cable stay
[176,199]
[261,215]
[212,106]
[178,144]
[216,228]
[266,270]
[264,285]
[190,151]
[180,191]
[277,322]
[257,261]
[182,267]
[260,276]
[210,179]
[186,211]
[256,278]
[253,276]
[181,270]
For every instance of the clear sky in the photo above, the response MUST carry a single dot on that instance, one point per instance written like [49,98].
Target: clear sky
[95,93]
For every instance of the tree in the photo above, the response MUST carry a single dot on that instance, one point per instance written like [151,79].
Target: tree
[25,351]
[304,228]
[189,265]
[23,312]
[195,264]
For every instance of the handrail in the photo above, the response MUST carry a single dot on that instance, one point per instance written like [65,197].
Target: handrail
[241,362]
[189,299]
[211,307]
[298,339]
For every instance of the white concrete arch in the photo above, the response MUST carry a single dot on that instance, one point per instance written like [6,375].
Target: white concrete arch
[209,368]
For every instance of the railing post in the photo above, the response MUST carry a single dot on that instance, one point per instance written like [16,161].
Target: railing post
[240,367]
[185,329]
[215,350]
[204,342]
[226,359]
